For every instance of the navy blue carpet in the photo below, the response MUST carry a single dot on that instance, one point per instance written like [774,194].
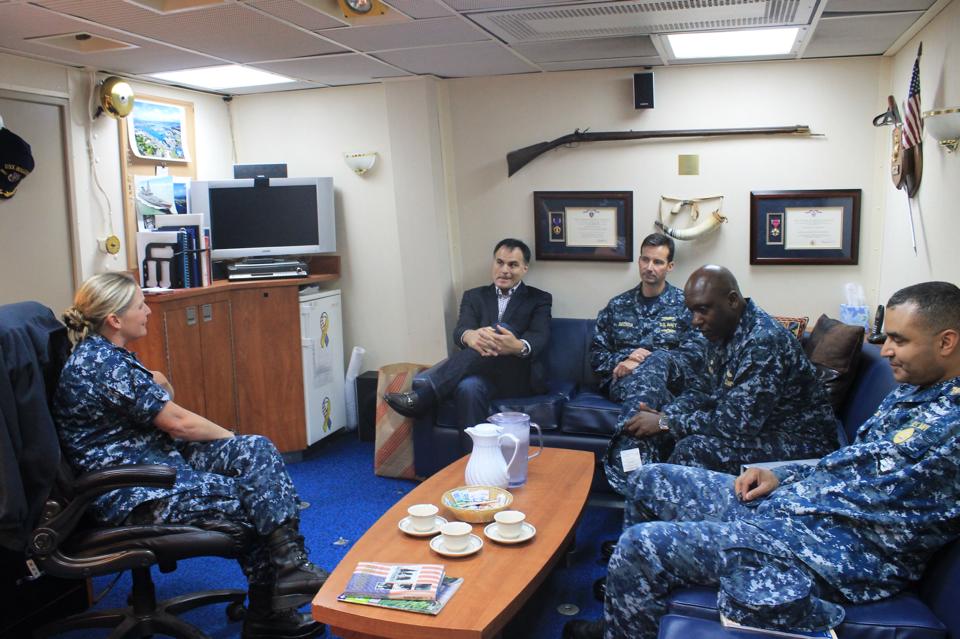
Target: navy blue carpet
[345,498]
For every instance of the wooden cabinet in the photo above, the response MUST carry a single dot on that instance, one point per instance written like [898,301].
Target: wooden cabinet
[232,353]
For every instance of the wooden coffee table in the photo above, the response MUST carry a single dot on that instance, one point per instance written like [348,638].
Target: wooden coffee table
[498,579]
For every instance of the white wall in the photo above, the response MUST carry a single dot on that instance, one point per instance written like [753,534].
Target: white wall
[935,209]
[837,98]
[310,131]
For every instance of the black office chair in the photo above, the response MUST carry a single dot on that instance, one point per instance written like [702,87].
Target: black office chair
[66,543]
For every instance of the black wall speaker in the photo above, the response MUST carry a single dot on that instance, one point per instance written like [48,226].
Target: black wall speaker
[643,90]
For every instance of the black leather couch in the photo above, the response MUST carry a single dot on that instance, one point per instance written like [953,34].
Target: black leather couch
[574,414]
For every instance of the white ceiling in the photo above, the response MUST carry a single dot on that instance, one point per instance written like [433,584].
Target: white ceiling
[312,42]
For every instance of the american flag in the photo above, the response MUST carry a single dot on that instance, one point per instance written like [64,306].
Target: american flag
[912,124]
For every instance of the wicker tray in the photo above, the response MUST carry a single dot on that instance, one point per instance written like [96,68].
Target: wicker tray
[476,516]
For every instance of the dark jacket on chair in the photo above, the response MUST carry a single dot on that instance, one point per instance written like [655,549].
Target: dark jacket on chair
[29,449]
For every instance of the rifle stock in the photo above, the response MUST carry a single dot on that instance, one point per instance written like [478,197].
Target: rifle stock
[518,159]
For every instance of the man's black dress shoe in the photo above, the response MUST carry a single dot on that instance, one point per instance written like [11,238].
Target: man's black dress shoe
[583,629]
[606,549]
[409,404]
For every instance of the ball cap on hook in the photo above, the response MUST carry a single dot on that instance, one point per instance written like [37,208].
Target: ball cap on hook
[16,162]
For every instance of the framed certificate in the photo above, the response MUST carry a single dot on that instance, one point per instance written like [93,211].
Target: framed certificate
[584,225]
[805,227]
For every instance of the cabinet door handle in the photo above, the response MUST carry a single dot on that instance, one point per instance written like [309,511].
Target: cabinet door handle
[191,315]
[207,311]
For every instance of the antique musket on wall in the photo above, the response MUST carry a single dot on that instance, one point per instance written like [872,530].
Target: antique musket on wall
[518,159]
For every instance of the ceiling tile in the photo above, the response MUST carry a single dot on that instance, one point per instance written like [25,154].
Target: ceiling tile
[25,21]
[858,35]
[418,9]
[407,35]
[297,13]
[288,86]
[497,5]
[459,61]
[334,69]
[588,49]
[580,65]
[232,32]
[876,6]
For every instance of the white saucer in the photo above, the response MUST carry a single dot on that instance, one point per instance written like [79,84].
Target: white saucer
[407,526]
[474,544]
[527,532]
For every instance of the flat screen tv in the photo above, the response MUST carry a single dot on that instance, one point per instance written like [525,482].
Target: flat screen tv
[267,218]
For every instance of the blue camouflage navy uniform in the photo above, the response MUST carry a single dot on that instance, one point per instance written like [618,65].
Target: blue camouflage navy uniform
[104,409]
[631,321]
[857,527]
[753,398]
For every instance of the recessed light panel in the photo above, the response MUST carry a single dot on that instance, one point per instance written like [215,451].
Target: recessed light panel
[744,43]
[223,77]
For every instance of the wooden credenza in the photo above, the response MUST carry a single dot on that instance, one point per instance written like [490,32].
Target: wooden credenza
[232,353]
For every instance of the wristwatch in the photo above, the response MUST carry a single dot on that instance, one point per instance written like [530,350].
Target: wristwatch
[664,423]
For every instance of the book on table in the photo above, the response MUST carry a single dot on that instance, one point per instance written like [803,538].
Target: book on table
[448,586]
[395,581]
[798,634]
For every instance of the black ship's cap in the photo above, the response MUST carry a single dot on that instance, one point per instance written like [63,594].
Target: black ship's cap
[16,162]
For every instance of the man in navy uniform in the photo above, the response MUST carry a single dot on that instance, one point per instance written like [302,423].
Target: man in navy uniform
[789,547]
[635,324]
[502,330]
[749,395]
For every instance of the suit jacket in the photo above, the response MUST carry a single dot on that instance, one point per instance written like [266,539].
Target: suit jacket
[528,314]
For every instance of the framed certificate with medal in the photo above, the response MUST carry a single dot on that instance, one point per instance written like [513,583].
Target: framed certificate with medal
[584,225]
[805,227]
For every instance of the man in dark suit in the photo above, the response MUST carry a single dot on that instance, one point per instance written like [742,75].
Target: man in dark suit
[502,331]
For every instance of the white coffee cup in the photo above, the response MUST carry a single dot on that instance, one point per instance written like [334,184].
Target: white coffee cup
[456,535]
[423,516]
[509,523]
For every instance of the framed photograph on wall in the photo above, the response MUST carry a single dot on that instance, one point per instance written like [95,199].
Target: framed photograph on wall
[805,227]
[583,225]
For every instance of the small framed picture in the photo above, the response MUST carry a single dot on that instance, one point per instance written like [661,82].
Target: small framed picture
[584,225]
[805,227]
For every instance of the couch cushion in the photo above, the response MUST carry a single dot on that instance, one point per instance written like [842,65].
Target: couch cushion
[874,380]
[544,410]
[796,325]
[834,348]
[903,616]
[567,357]
[589,413]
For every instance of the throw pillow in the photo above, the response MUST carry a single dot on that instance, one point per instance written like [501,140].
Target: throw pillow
[796,325]
[834,348]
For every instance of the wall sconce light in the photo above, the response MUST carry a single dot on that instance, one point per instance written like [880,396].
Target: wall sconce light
[360,163]
[944,126]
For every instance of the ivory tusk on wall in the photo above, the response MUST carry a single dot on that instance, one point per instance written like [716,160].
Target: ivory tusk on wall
[711,222]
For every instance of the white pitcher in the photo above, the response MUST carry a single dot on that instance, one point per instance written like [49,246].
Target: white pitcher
[486,466]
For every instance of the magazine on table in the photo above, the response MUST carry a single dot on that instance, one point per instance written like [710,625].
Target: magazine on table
[447,588]
[799,634]
[395,581]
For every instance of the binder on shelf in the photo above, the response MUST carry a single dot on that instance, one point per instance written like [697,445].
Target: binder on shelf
[156,255]
[192,251]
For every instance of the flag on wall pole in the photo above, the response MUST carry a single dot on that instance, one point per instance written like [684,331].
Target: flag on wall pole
[913,127]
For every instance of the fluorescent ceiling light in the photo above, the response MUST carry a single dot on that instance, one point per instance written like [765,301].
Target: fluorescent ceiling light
[732,44]
[228,76]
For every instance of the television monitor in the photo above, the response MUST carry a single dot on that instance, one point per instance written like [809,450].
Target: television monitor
[267,218]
